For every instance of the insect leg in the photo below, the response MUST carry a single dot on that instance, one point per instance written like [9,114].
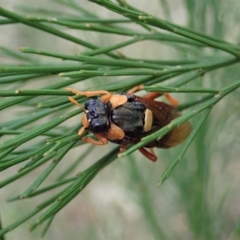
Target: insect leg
[153,95]
[172,100]
[81,130]
[101,140]
[122,148]
[150,155]
[89,93]
[137,88]
[106,97]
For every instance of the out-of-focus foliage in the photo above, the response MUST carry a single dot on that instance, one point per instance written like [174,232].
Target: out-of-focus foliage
[189,47]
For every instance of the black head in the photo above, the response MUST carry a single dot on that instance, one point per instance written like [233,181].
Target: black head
[97,115]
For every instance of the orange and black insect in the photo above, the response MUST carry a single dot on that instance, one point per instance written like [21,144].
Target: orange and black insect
[124,118]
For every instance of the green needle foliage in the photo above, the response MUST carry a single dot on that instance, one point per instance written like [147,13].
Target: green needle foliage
[77,45]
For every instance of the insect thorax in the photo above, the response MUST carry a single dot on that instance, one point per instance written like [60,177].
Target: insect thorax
[129,117]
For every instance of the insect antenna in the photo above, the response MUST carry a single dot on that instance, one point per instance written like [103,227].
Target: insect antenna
[71,99]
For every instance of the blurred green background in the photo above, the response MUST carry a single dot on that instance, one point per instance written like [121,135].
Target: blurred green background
[201,199]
